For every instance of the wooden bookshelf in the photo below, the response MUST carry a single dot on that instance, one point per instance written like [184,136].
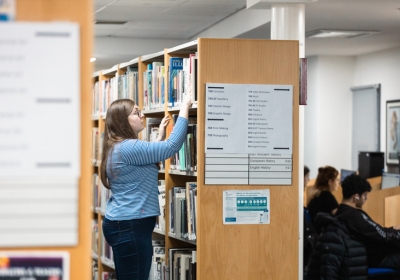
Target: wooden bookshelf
[80,11]
[236,251]
[247,251]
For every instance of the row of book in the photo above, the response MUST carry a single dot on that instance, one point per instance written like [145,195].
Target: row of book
[100,194]
[181,265]
[183,214]
[100,248]
[97,144]
[105,275]
[186,158]
[104,92]
[154,86]
[182,207]
[149,133]
[182,79]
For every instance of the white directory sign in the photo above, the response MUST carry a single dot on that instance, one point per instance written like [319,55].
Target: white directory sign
[39,133]
[248,134]
[246,207]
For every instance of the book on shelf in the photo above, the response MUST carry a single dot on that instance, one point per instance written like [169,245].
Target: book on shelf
[132,82]
[105,275]
[175,254]
[191,189]
[155,77]
[186,158]
[105,195]
[95,98]
[172,193]
[95,237]
[161,85]
[158,260]
[178,213]
[183,218]
[95,270]
[152,128]
[106,251]
[161,200]
[193,77]
[95,144]
[95,192]
[175,65]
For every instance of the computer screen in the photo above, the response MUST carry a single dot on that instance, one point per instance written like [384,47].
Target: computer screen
[390,180]
[344,173]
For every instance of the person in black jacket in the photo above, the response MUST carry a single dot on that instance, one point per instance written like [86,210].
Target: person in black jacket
[337,255]
[309,232]
[382,243]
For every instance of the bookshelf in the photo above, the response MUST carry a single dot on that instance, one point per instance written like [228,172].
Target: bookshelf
[236,251]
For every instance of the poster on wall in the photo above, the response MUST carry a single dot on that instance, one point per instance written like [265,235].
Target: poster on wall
[35,265]
[392,131]
[246,207]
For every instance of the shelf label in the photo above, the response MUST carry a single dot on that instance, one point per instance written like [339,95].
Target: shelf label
[249,127]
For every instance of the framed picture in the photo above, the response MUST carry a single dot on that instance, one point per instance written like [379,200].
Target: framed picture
[392,132]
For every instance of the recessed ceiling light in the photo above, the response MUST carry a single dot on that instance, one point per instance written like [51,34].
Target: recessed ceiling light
[325,33]
[92,59]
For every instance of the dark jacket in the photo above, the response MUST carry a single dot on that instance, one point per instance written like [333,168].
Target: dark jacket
[309,237]
[379,241]
[337,255]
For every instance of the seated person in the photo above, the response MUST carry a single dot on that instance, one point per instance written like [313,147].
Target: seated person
[382,244]
[309,233]
[337,255]
[322,199]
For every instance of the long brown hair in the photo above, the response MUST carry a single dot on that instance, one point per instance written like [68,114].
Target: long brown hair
[325,174]
[117,129]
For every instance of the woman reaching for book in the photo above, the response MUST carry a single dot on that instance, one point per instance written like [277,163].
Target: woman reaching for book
[129,168]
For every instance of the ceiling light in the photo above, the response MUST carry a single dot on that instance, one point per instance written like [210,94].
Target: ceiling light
[118,22]
[92,59]
[325,33]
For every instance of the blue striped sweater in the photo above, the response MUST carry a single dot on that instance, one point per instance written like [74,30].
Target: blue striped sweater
[133,174]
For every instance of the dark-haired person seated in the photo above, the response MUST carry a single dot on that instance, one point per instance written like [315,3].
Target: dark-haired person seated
[337,254]
[382,243]
[321,199]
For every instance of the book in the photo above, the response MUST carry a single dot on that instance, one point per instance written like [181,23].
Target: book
[155,84]
[172,194]
[193,77]
[175,64]
[161,201]
[190,187]
[178,213]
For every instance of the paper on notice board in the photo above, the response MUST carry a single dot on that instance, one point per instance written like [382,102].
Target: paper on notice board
[246,207]
[39,133]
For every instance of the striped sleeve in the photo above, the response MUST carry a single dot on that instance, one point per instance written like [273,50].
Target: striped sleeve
[137,152]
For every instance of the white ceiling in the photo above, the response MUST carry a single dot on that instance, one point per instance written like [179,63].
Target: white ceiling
[152,25]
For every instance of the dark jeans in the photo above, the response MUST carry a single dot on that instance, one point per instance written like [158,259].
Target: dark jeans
[132,248]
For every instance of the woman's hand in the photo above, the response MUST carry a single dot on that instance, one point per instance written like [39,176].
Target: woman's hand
[162,128]
[186,104]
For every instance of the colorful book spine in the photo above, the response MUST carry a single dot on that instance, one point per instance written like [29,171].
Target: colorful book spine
[175,64]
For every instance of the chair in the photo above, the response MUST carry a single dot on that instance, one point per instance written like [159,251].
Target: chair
[378,272]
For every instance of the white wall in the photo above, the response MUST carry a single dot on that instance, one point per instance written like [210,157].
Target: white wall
[381,67]
[329,110]
[328,113]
